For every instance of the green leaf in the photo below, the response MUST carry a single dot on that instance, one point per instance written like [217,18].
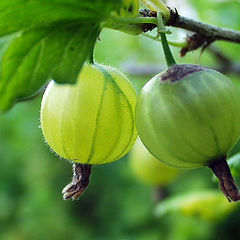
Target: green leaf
[18,15]
[209,205]
[53,38]
[38,55]
[4,44]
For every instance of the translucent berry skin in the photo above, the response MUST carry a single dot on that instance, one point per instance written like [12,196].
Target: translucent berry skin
[148,169]
[91,122]
[189,116]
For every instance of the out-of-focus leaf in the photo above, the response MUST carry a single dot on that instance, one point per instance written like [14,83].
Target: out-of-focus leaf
[209,205]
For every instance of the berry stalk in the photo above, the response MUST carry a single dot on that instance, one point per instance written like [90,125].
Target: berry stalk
[227,184]
[81,176]
[166,49]
[167,52]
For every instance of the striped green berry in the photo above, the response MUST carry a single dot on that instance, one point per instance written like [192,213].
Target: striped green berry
[189,116]
[91,122]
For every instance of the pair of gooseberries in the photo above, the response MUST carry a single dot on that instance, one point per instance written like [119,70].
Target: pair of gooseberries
[187,117]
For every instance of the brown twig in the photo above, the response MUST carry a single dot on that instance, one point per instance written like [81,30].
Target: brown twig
[207,30]
[203,34]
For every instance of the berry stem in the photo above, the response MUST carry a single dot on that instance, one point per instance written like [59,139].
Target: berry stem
[182,44]
[81,176]
[166,49]
[114,22]
[227,184]
[167,52]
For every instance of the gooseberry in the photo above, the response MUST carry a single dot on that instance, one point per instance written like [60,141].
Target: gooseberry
[92,121]
[189,116]
[148,169]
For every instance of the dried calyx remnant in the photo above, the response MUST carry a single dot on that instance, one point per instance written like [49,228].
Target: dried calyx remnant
[81,176]
[178,72]
[227,184]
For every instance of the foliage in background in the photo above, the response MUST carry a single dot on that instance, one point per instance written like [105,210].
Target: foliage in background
[115,206]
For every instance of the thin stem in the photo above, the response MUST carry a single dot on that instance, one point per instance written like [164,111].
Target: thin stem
[227,184]
[171,43]
[167,52]
[116,22]
[137,20]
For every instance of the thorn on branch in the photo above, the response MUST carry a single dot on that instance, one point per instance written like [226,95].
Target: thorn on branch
[173,17]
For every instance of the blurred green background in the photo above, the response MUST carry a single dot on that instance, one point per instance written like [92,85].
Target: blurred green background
[115,205]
